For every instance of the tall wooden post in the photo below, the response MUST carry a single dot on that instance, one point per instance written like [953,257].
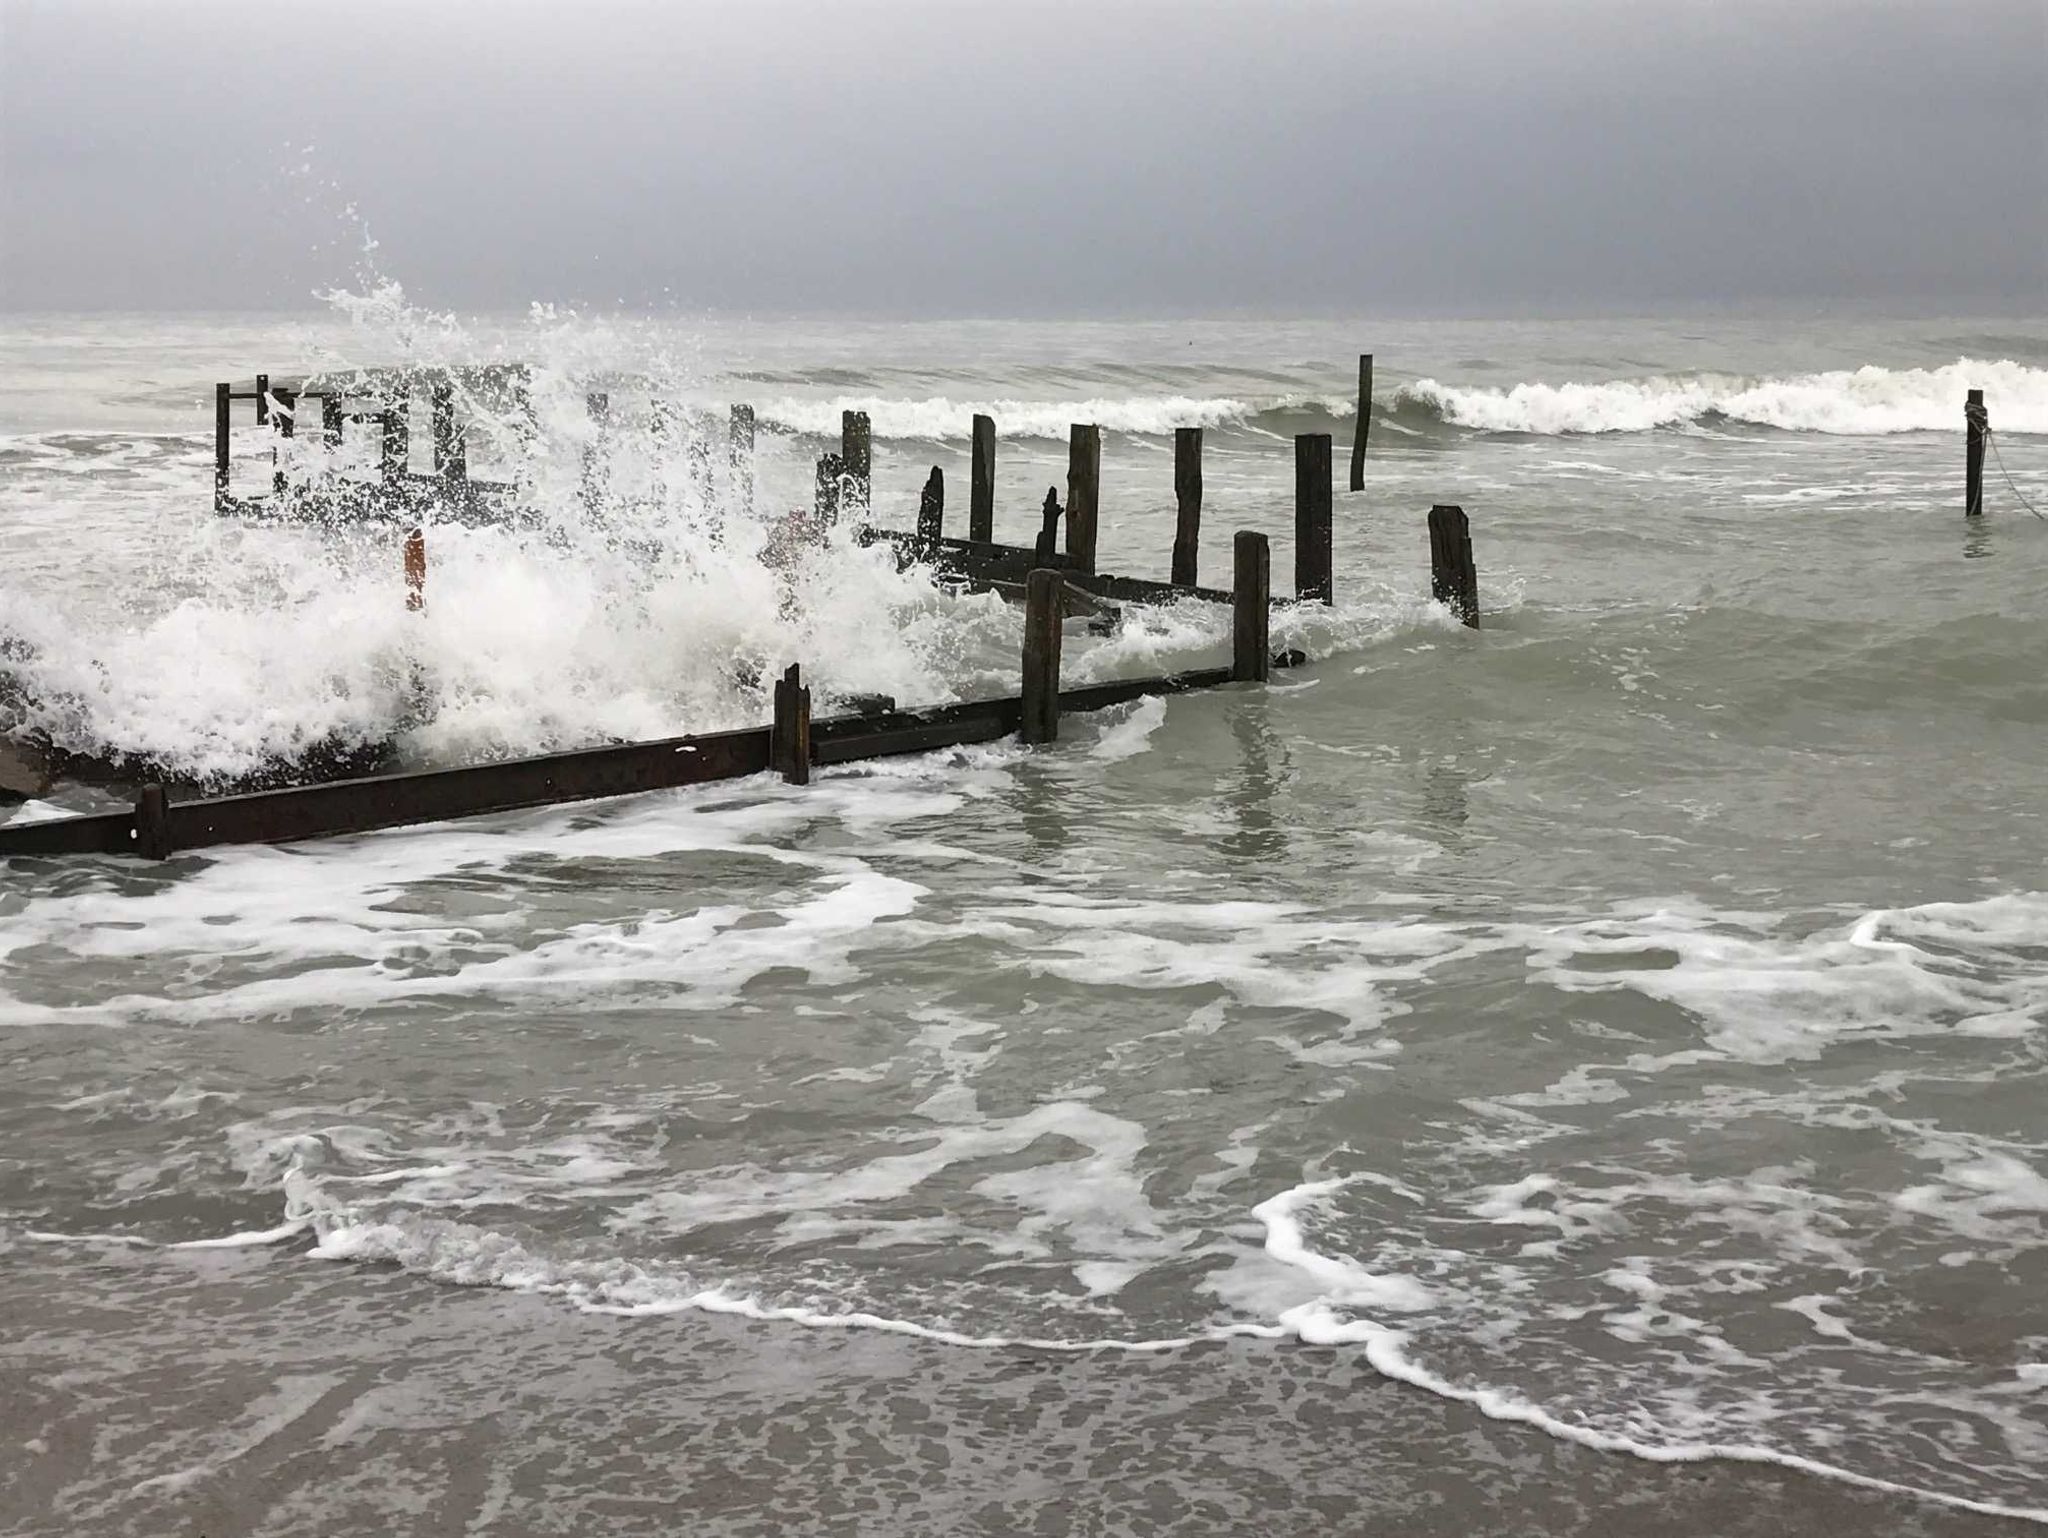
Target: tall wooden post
[415,561]
[1187,495]
[287,424]
[825,498]
[981,496]
[1044,601]
[262,400]
[1084,487]
[740,458]
[1977,420]
[1453,580]
[1312,578]
[789,738]
[855,450]
[450,455]
[152,823]
[931,511]
[330,419]
[223,423]
[1364,423]
[1251,593]
[1048,526]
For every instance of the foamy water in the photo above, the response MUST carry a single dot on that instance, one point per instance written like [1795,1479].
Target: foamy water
[1623,1020]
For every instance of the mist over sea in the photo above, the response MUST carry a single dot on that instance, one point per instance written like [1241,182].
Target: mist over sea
[1585,1072]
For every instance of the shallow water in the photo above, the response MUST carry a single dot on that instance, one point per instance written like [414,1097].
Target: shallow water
[1626,1019]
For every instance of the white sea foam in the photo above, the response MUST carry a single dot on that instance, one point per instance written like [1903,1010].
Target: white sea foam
[939,419]
[1868,400]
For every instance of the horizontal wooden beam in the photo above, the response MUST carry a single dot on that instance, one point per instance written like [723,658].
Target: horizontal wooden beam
[984,564]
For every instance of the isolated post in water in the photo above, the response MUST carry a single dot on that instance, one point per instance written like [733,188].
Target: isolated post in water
[1044,599]
[855,450]
[1453,580]
[1187,496]
[1049,526]
[415,569]
[1364,423]
[931,511]
[1977,419]
[152,823]
[1084,486]
[1251,593]
[981,496]
[789,738]
[287,421]
[450,457]
[1312,518]
[825,497]
[262,400]
[740,458]
[223,422]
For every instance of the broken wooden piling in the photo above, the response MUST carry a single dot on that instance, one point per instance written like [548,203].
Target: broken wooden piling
[981,493]
[1312,529]
[1044,606]
[223,422]
[1048,527]
[1363,425]
[857,457]
[287,423]
[825,495]
[789,735]
[262,400]
[1453,580]
[1187,496]
[1977,426]
[1084,487]
[152,823]
[1251,592]
[931,510]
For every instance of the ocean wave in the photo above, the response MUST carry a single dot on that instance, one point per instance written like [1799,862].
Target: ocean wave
[938,418]
[1867,401]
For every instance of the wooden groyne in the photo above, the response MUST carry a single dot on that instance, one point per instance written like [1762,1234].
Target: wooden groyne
[1054,584]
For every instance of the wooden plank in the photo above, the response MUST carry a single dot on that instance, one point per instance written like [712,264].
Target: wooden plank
[1312,580]
[1084,489]
[1453,580]
[981,496]
[1039,721]
[984,565]
[1187,496]
[1251,648]
[1363,426]
[100,833]
[998,718]
[1977,427]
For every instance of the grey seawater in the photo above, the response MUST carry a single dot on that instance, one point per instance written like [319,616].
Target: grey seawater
[1578,1075]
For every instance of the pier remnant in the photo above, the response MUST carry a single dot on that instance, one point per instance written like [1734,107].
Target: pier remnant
[287,415]
[856,454]
[931,510]
[223,420]
[1251,652]
[394,448]
[1453,580]
[825,495]
[152,823]
[981,495]
[451,455]
[789,735]
[1084,487]
[1048,527]
[330,419]
[1187,496]
[1977,420]
[1364,423]
[262,400]
[1044,606]
[1312,528]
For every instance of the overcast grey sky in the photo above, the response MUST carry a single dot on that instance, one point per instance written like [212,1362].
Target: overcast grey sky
[901,156]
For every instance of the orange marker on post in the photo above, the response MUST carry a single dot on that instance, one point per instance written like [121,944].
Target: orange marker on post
[416,569]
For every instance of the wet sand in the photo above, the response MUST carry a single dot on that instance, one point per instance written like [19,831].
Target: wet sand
[259,1392]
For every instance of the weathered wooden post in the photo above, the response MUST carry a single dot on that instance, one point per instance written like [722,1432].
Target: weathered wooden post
[1084,486]
[931,512]
[740,458]
[330,419]
[1187,495]
[287,423]
[223,423]
[1044,602]
[1453,580]
[1977,419]
[981,495]
[415,569]
[1364,423]
[262,400]
[395,449]
[825,498]
[152,823]
[1048,526]
[855,452]
[450,453]
[789,738]
[1251,593]
[1312,517]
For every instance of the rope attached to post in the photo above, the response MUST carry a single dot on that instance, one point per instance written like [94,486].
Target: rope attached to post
[1991,439]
